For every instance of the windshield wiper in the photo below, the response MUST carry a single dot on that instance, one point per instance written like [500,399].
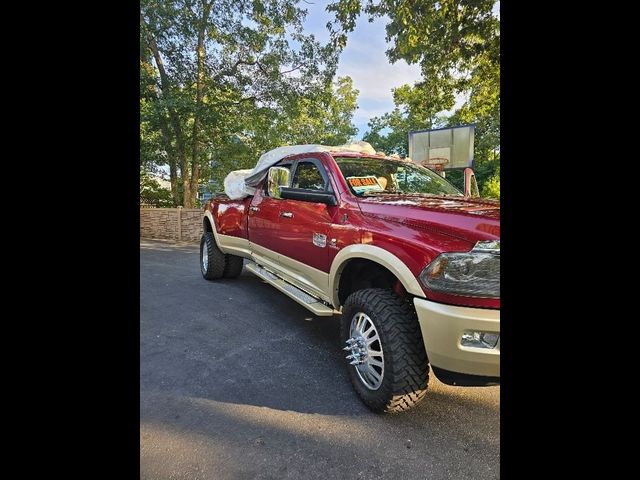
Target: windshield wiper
[400,192]
[367,194]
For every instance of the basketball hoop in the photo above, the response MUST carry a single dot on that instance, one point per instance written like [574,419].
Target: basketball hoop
[435,163]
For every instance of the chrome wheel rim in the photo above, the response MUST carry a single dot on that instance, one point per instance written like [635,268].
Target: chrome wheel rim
[365,349]
[205,258]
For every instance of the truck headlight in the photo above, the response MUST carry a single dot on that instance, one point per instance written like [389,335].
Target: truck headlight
[474,274]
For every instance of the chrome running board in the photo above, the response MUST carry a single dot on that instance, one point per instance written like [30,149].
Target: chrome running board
[300,296]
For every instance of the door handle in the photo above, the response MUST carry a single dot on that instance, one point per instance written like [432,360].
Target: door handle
[286,214]
[254,209]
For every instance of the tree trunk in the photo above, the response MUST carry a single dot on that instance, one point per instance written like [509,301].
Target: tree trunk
[165,85]
[200,78]
[171,160]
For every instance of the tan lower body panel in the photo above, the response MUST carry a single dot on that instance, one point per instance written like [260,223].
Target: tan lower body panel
[307,278]
[233,245]
[442,328]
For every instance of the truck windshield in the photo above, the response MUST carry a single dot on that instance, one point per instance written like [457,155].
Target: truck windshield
[375,176]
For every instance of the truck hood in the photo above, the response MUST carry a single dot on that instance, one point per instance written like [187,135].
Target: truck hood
[464,218]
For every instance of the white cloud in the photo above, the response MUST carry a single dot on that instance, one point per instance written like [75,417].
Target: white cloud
[375,77]
[364,59]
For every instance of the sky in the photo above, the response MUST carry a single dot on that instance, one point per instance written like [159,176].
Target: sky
[365,61]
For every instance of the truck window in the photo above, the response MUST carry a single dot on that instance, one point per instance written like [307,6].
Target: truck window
[308,176]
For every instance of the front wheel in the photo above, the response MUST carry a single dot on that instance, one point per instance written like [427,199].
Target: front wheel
[386,358]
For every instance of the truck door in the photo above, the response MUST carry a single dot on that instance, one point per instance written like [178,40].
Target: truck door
[264,216]
[304,226]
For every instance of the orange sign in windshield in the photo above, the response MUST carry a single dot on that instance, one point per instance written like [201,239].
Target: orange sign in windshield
[364,184]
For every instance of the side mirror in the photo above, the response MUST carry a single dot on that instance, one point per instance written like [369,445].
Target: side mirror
[308,196]
[278,177]
[470,183]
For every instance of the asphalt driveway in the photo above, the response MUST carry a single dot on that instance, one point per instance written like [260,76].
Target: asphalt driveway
[237,381]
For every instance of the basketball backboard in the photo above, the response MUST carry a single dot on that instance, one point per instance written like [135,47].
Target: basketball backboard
[446,148]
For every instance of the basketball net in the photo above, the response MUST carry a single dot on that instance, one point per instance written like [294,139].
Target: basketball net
[436,164]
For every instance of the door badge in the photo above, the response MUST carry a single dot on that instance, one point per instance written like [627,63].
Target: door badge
[319,240]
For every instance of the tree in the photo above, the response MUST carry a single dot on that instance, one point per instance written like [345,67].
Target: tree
[492,186]
[152,193]
[411,112]
[212,69]
[455,42]
[324,117]
[457,45]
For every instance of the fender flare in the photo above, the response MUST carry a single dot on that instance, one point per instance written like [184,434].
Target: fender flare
[207,214]
[377,255]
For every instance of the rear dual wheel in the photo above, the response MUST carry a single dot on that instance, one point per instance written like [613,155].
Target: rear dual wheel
[213,263]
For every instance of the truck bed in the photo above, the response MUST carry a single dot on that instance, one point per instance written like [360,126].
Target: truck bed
[230,215]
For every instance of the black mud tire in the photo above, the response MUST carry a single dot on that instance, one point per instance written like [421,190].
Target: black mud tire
[406,367]
[216,260]
[234,265]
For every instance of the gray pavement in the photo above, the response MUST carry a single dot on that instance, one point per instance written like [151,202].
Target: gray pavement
[237,381]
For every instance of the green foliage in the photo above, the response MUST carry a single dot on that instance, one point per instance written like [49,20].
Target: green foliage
[412,111]
[491,188]
[152,193]
[324,117]
[221,81]
[456,178]
[457,45]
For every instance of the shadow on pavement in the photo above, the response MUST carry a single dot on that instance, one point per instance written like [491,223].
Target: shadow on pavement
[239,364]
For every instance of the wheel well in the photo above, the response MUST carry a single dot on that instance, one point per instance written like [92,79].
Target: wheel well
[206,225]
[360,273]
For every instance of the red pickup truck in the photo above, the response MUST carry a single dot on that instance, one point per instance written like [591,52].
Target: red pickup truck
[410,263]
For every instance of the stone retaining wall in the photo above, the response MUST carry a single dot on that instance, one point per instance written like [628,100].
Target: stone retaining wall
[180,224]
